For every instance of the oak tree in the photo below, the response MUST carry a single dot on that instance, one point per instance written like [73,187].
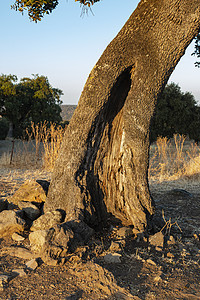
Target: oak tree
[176,112]
[29,100]
[102,168]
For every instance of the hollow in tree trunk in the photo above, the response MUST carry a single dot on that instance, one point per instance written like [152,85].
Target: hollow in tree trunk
[103,163]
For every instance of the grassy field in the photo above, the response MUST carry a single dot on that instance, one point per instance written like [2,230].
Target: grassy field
[170,159]
[174,163]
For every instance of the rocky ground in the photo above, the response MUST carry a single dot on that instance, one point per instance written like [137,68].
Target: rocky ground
[118,263]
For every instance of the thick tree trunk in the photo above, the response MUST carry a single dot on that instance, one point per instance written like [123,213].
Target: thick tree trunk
[103,163]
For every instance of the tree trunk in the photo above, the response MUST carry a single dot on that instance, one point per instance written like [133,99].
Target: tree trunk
[103,163]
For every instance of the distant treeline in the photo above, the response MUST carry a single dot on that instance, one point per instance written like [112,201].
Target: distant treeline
[34,100]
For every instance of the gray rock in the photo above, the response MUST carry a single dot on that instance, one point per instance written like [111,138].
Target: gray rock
[31,211]
[112,258]
[47,220]
[17,252]
[10,222]
[30,191]
[32,264]
[39,239]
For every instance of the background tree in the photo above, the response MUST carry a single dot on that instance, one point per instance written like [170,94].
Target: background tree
[7,90]
[102,168]
[176,112]
[30,100]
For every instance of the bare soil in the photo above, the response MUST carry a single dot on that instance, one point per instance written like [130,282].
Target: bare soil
[143,272]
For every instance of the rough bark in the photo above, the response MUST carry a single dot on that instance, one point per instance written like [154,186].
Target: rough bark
[103,163]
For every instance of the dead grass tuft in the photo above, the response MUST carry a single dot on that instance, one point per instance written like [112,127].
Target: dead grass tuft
[39,150]
[174,159]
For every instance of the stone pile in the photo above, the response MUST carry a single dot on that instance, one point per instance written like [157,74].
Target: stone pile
[50,237]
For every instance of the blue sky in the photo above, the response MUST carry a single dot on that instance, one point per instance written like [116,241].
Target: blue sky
[65,46]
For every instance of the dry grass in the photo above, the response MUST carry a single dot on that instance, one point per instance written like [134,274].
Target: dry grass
[47,141]
[51,138]
[170,159]
[38,151]
[174,159]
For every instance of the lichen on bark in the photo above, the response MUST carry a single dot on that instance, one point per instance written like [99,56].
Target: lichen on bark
[102,169]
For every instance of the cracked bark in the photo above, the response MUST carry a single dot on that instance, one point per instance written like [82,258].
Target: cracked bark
[103,163]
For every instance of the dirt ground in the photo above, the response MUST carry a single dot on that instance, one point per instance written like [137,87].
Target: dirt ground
[143,272]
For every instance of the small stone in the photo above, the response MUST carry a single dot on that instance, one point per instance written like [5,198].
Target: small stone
[170,255]
[17,237]
[32,264]
[112,258]
[80,228]
[54,241]
[151,262]
[157,239]
[49,261]
[124,232]
[19,272]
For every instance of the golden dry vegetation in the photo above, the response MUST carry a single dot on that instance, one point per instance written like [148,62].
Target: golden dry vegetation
[175,164]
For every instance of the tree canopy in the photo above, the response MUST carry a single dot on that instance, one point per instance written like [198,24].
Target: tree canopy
[37,9]
[176,112]
[30,99]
